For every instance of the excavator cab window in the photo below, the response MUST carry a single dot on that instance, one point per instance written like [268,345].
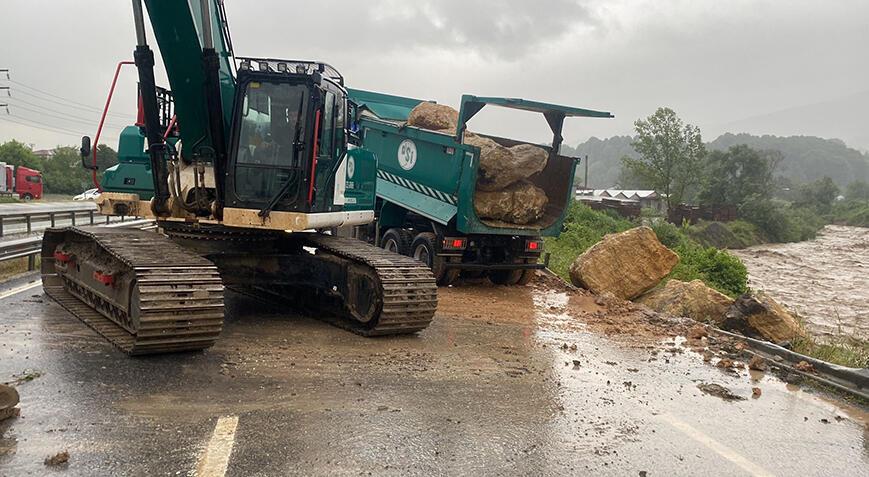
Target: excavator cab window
[271,140]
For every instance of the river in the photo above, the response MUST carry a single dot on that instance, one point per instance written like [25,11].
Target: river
[825,280]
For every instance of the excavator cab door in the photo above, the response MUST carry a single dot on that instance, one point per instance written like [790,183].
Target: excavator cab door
[271,145]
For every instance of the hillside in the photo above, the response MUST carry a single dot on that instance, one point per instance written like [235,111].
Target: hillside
[806,158]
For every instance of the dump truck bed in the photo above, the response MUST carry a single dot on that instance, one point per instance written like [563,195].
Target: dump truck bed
[433,174]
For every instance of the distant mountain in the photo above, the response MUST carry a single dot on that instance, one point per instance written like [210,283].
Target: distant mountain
[806,158]
[843,117]
[604,159]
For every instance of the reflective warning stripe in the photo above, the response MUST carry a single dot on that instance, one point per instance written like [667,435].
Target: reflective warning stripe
[415,186]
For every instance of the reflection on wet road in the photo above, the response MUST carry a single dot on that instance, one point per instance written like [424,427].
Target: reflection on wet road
[506,381]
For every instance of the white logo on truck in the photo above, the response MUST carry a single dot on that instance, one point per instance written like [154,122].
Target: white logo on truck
[407,154]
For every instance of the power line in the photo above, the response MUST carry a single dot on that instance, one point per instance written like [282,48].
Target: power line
[38,126]
[83,105]
[71,106]
[65,116]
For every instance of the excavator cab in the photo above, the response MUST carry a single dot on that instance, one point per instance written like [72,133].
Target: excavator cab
[287,140]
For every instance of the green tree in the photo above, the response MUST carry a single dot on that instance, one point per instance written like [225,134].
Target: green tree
[63,173]
[671,154]
[819,195]
[857,190]
[19,154]
[732,176]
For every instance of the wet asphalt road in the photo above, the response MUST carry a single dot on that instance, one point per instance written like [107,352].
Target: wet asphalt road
[471,395]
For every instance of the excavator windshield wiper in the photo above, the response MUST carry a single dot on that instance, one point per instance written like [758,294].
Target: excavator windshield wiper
[298,145]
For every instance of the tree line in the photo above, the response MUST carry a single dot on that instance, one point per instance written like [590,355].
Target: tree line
[673,160]
[62,172]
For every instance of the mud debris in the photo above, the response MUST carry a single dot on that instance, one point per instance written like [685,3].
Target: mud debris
[805,367]
[57,459]
[757,363]
[719,391]
[756,392]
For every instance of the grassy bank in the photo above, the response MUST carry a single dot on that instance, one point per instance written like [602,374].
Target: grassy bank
[584,227]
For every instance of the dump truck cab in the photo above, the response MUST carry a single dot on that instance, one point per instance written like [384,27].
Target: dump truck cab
[427,183]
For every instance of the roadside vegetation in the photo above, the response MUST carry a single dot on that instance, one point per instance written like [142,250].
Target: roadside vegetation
[584,227]
[62,172]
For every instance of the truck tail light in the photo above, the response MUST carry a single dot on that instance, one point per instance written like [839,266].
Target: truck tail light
[533,245]
[455,243]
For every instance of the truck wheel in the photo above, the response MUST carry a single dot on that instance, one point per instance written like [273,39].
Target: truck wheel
[505,277]
[27,196]
[527,276]
[423,249]
[397,241]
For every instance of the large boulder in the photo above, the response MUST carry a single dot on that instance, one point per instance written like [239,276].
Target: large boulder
[434,116]
[626,264]
[759,316]
[502,166]
[520,203]
[692,299]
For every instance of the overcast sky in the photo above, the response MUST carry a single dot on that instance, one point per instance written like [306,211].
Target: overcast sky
[716,62]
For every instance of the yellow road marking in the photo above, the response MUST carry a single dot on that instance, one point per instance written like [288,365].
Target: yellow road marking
[215,459]
[20,289]
[717,447]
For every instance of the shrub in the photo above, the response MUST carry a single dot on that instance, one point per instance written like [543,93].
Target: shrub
[716,268]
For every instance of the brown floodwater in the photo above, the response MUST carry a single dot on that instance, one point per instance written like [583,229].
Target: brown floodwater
[826,280]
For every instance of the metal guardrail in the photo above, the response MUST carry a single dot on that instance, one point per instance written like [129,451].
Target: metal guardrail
[30,247]
[50,216]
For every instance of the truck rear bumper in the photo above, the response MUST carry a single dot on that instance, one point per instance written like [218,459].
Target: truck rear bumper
[500,266]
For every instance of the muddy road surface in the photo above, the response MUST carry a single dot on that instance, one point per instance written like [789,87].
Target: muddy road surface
[537,380]
[825,280]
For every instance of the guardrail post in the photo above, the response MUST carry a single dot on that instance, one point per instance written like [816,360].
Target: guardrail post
[1,226]
[72,217]
[31,263]
[29,226]
[92,216]
[51,216]
[107,219]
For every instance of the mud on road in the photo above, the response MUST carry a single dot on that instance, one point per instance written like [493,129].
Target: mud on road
[538,380]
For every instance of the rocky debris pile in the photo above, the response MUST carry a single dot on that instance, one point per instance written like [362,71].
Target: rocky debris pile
[759,316]
[626,264]
[720,391]
[520,203]
[57,459]
[433,116]
[503,191]
[692,299]
[8,400]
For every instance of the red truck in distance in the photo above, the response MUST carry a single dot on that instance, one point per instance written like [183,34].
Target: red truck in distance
[25,182]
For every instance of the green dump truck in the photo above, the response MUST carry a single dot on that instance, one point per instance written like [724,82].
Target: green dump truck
[426,183]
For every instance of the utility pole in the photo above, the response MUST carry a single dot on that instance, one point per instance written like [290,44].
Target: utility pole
[586,173]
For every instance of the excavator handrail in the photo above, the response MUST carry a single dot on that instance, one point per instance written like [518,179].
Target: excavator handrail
[103,120]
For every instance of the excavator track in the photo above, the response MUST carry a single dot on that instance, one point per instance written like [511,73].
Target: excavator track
[405,292]
[136,288]
[407,289]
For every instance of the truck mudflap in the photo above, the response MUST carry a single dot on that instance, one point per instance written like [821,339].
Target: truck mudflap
[482,267]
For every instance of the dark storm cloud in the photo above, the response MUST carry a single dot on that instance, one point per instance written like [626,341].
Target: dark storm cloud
[496,29]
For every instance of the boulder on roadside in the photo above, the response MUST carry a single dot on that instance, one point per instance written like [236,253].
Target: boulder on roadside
[520,203]
[692,299]
[626,264]
[759,316]
[433,116]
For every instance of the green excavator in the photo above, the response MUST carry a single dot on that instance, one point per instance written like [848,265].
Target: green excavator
[249,166]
